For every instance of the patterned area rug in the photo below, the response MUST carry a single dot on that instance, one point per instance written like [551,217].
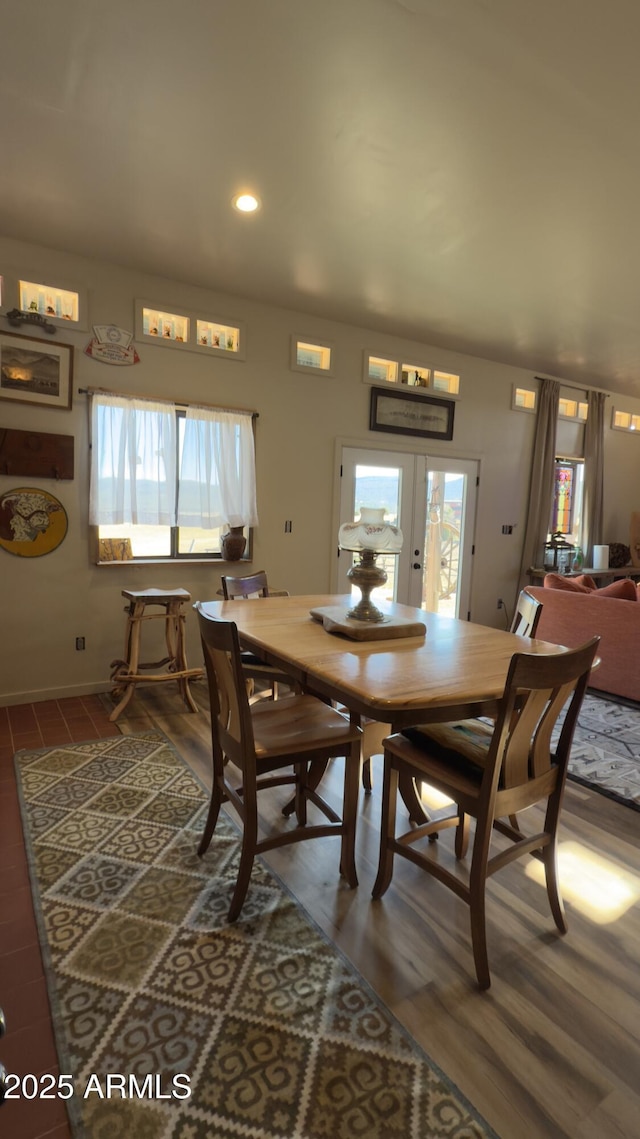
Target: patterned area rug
[175,1024]
[606,750]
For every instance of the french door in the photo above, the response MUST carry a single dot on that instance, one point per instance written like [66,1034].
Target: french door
[433,502]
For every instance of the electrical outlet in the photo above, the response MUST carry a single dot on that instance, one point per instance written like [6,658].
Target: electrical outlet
[79,643]
[500,603]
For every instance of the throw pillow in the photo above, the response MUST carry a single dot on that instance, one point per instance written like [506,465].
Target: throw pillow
[623,588]
[584,579]
[558,581]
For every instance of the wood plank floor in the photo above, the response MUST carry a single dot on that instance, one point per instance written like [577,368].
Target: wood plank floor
[553,1048]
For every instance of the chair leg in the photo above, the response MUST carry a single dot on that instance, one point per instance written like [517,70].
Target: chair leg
[410,792]
[317,768]
[387,828]
[349,815]
[550,859]
[479,939]
[212,818]
[300,799]
[462,835]
[247,856]
[218,797]
[366,776]
[477,901]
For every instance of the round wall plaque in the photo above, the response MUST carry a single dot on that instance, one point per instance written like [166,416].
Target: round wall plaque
[32,522]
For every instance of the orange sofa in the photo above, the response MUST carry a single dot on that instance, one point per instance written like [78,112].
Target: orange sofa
[571,618]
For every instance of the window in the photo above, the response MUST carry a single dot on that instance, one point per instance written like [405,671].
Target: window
[189,331]
[446,382]
[62,304]
[567,498]
[166,325]
[49,301]
[625,421]
[377,369]
[572,409]
[523,399]
[223,336]
[415,376]
[311,356]
[167,480]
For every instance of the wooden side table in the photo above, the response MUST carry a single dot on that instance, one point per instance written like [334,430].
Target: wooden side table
[127,673]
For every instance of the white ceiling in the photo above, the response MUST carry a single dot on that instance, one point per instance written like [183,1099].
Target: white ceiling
[464,172]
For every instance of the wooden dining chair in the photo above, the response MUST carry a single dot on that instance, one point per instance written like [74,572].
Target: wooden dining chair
[491,771]
[251,585]
[525,622]
[260,741]
[527,615]
[269,678]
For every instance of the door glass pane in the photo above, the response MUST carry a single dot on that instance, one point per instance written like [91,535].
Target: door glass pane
[379,486]
[443,531]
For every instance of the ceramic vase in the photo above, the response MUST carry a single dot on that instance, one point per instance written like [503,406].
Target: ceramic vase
[233,544]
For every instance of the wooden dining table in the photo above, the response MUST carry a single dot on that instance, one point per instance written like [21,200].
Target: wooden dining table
[457,669]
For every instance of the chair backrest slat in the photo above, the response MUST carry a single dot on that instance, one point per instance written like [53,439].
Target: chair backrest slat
[538,688]
[252,585]
[527,615]
[231,723]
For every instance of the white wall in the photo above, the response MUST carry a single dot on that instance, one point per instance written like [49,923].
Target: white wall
[50,601]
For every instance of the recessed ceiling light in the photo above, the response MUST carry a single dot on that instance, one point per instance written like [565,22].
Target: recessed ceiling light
[246,203]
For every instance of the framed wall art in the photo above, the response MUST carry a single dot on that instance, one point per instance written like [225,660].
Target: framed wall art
[35,371]
[406,413]
[32,522]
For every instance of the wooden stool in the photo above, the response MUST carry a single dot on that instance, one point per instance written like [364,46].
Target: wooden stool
[126,673]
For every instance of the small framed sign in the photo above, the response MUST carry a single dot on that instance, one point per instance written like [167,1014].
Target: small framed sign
[406,413]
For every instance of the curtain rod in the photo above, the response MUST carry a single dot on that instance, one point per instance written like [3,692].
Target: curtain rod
[174,402]
[578,387]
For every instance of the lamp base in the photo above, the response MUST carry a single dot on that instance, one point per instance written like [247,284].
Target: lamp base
[366,575]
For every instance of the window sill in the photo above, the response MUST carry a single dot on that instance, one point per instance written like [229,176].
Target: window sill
[186,561]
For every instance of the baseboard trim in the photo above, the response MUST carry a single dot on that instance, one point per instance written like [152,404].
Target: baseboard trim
[40,694]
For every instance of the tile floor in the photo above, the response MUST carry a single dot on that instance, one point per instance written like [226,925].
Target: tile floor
[29,1043]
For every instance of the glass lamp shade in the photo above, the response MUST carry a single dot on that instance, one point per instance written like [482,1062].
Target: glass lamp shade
[370,532]
[368,536]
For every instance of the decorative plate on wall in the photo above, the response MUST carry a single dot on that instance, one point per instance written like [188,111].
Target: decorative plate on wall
[32,522]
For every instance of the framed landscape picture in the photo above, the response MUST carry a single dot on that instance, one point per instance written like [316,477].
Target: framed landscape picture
[35,371]
[407,413]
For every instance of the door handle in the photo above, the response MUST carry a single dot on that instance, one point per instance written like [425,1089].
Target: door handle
[417,565]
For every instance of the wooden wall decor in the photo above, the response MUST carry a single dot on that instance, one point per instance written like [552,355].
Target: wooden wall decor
[36,454]
[16,318]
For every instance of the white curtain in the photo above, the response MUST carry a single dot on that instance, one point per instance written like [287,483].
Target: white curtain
[133,462]
[217,470]
[133,465]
